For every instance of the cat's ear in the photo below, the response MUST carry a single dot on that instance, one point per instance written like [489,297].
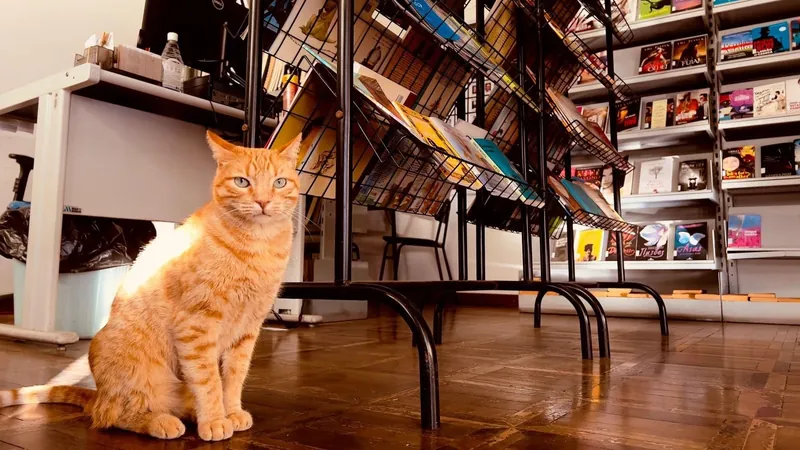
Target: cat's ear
[290,151]
[222,149]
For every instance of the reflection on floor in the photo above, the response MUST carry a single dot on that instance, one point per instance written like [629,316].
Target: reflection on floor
[504,385]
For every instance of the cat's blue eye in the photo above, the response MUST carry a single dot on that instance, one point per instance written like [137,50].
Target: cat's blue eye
[241,182]
[279,182]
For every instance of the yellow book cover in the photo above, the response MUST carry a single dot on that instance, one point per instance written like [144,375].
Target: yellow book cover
[590,243]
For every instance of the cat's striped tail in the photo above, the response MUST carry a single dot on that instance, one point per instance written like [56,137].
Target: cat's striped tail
[71,395]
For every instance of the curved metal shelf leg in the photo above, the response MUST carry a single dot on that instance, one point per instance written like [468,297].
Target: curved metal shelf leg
[438,318]
[603,340]
[662,308]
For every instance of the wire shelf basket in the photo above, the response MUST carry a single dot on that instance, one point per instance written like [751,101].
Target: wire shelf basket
[618,23]
[501,214]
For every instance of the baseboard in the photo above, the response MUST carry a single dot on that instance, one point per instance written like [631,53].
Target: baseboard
[7,304]
[489,299]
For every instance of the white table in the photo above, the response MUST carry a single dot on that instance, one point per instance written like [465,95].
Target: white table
[108,146]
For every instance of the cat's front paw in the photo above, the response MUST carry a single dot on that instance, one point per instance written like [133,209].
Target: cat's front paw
[242,420]
[215,429]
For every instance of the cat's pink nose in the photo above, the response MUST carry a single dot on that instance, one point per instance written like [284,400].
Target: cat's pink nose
[262,204]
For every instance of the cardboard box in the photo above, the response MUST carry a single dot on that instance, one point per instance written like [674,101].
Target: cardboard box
[138,62]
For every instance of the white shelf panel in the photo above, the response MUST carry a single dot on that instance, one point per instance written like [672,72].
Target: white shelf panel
[749,12]
[670,80]
[735,255]
[768,185]
[760,127]
[689,23]
[642,265]
[759,67]
[669,200]
[632,140]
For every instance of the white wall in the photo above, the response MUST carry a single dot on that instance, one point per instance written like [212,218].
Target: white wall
[39,38]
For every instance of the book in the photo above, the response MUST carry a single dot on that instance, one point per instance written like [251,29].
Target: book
[598,60]
[628,246]
[692,107]
[744,231]
[691,242]
[655,176]
[736,45]
[571,115]
[581,197]
[660,114]
[652,242]
[736,104]
[597,115]
[795,28]
[628,114]
[693,175]
[592,175]
[563,195]
[771,39]
[647,122]
[655,58]
[593,192]
[777,160]
[685,5]
[769,100]
[670,112]
[589,245]
[560,250]
[739,163]
[690,52]
[649,9]
[793,96]
[723,2]
[501,164]
[797,157]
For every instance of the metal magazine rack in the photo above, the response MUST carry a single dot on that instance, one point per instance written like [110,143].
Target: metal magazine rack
[361,154]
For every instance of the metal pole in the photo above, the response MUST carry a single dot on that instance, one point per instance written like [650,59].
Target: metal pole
[527,250]
[252,94]
[344,147]
[618,176]
[463,268]
[544,235]
[570,231]
[480,120]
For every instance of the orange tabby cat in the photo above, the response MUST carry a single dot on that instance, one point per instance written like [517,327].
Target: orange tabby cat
[183,326]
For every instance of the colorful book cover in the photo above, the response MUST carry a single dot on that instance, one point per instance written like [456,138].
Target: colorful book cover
[647,123]
[580,196]
[649,9]
[793,96]
[589,245]
[591,175]
[692,107]
[593,192]
[739,163]
[777,160]
[691,242]
[736,45]
[655,177]
[741,103]
[628,115]
[725,108]
[771,39]
[655,58]
[795,34]
[744,231]
[797,157]
[506,168]
[689,52]
[693,175]
[769,100]
[685,5]
[670,112]
[628,246]
[724,2]
[597,116]
[599,60]
[563,195]
[652,242]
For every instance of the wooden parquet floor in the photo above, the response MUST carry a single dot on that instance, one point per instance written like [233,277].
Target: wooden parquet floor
[504,385]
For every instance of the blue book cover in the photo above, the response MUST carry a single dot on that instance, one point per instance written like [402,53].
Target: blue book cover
[771,39]
[736,45]
[499,159]
[796,34]
[586,203]
[723,2]
[434,17]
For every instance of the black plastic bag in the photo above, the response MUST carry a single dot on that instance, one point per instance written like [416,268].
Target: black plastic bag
[87,243]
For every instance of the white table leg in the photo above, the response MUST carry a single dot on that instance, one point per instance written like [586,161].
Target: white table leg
[47,205]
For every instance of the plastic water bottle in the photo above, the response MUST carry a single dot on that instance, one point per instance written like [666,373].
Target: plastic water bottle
[172,64]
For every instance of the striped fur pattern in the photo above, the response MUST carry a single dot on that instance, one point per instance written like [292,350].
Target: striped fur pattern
[184,324]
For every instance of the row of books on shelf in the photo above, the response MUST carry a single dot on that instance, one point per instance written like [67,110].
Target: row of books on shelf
[690,243]
[672,55]
[762,40]
[675,109]
[773,99]
[656,176]
[775,160]
[578,196]
[634,10]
